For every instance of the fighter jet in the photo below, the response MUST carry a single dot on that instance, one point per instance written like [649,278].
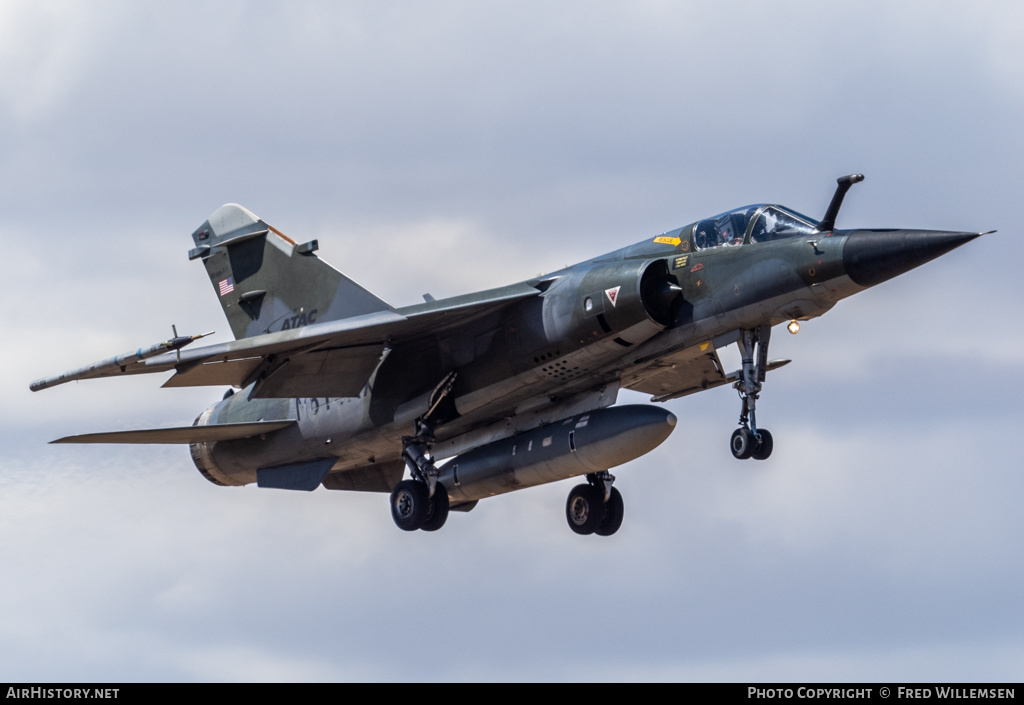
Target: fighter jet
[515,386]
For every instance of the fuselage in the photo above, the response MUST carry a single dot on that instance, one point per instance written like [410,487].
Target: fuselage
[600,325]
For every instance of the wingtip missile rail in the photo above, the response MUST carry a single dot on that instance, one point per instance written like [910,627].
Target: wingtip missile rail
[118,363]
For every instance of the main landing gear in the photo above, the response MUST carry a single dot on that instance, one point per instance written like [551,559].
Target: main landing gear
[595,508]
[422,502]
[749,441]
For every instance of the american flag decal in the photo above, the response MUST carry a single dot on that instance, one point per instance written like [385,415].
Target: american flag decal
[226,286]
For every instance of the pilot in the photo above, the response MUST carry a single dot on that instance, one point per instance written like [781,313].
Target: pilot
[726,240]
[759,233]
[703,241]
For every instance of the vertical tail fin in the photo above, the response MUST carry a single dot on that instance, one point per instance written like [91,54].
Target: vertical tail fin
[268,283]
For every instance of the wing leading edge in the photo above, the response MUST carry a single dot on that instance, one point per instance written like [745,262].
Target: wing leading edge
[686,371]
[300,361]
[182,434]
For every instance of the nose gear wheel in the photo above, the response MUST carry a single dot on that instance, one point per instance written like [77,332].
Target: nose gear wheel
[749,441]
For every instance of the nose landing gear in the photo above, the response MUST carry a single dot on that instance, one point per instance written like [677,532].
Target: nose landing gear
[749,441]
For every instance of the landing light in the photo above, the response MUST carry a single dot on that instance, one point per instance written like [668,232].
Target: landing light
[794,327]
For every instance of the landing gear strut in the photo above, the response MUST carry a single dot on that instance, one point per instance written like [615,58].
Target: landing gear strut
[595,508]
[422,502]
[749,441]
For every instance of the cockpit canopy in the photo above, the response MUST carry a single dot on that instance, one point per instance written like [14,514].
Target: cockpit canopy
[762,223]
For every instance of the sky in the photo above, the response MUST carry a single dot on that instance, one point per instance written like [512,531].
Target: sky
[445,147]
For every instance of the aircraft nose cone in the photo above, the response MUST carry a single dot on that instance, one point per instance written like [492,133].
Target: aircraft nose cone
[873,256]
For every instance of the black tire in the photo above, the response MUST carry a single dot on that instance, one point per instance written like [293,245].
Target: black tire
[742,443]
[764,445]
[584,510]
[612,515]
[437,514]
[410,504]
